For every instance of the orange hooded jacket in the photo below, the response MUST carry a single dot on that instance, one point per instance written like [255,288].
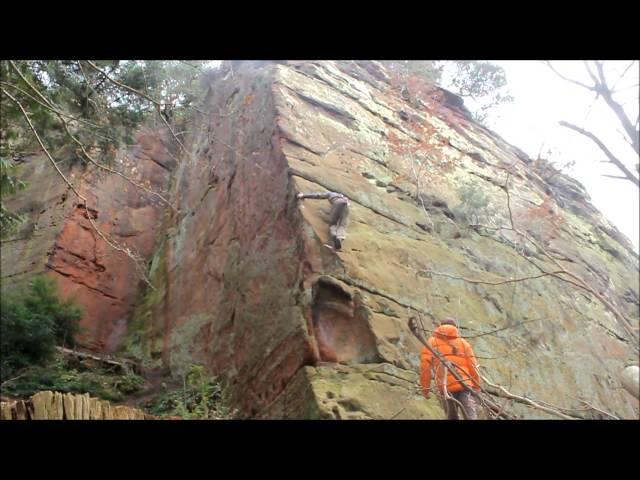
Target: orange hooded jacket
[447,341]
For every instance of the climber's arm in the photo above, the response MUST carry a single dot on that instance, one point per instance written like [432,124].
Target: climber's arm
[315,196]
[426,358]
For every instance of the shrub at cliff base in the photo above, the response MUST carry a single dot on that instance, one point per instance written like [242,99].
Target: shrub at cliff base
[32,323]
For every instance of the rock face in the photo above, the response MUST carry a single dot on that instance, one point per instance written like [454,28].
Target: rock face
[249,289]
[631,380]
[58,238]
[245,285]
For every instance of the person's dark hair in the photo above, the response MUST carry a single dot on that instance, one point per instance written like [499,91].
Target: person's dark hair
[448,321]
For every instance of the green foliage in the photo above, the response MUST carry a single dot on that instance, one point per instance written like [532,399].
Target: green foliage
[485,82]
[9,221]
[43,302]
[25,339]
[185,346]
[429,70]
[32,323]
[9,184]
[141,342]
[201,397]
[100,113]
[62,375]
[130,383]
[477,78]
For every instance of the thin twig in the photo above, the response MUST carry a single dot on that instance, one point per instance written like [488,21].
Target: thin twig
[112,244]
[21,374]
[583,85]
[61,116]
[503,392]
[503,328]
[483,282]
[601,87]
[613,88]
[612,158]
[77,119]
[610,415]
[144,95]
[562,273]
[115,172]
[398,413]
[506,189]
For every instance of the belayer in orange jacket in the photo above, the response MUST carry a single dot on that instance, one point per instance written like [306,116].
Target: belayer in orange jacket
[446,340]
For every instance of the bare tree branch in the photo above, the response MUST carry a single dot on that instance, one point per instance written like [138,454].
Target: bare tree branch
[591,407]
[565,275]
[601,87]
[506,190]
[607,94]
[592,75]
[583,85]
[612,158]
[111,243]
[48,106]
[613,88]
[398,412]
[500,391]
[614,176]
[501,329]
[603,80]
[483,282]
[143,95]
[65,124]
[21,373]
[115,172]
[580,283]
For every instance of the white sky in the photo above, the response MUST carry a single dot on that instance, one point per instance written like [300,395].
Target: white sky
[542,99]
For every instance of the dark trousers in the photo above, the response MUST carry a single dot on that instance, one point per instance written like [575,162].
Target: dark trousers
[467,400]
[338,219]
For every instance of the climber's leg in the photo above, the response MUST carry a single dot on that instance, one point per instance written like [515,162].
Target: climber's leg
[341,234]
[333,234]
[336,211]
[451,409]
[468,402]
[338,228]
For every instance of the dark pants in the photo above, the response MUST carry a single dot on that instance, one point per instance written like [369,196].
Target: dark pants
[467,400]
[338,222]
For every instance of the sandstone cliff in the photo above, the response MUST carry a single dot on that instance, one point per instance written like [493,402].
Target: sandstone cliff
[245,285]
[58,238]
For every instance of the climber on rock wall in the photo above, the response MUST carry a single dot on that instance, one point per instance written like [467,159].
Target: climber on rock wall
[447,341]
[338,218]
